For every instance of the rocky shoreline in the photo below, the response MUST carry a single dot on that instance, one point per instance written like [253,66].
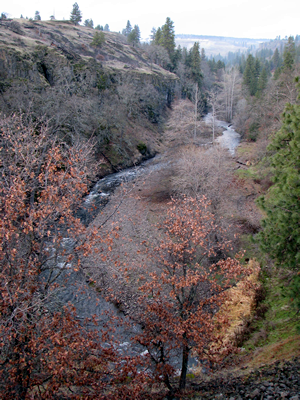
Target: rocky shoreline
[276,381]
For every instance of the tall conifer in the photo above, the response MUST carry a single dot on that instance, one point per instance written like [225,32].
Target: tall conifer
[281,229]
[76,16]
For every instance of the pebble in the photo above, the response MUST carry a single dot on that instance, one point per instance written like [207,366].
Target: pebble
[284,395]
[254,394]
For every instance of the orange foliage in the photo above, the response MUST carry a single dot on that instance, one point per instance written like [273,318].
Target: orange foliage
[45,352]
[181,300]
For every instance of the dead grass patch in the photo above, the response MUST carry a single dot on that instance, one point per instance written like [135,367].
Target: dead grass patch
[240,305]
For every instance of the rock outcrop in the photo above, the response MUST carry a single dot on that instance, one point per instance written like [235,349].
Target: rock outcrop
[111,93]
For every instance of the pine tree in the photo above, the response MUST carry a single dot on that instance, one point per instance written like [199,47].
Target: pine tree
[168,37]
[262,82]
[37,16]
[289,54]
[75,17]
[251,74]
[134,36]
[220,65]
[203,55]
[152,36]
[276,62]
[195,63]
[128,29]
[98,39]
[158,37]
[89,23]
[281,230]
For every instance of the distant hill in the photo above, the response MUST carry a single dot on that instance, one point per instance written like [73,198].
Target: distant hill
[215,45]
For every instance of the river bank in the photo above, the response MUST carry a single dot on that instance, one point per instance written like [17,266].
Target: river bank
[129,206]
[136,201]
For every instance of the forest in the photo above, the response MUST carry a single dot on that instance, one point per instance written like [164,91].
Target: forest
[140,259]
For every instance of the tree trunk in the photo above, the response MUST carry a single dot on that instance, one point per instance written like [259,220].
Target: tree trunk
[196,109]
[168,384]
[184,367]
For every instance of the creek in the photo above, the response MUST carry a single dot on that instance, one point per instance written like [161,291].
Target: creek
[74,286]
[78,291]
[229,139]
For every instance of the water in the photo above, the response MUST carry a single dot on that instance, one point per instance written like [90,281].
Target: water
[99,195]
[74,286]
[230,139]
[77,290]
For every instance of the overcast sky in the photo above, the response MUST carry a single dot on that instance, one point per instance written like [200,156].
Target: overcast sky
[237,18]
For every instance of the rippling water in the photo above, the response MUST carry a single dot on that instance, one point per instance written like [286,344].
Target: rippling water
[230,139]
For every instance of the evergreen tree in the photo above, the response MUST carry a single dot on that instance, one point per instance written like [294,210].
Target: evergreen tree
[152,36]
[128,29]
[134,36]
[98,39]
[75,17]
[276,62]
[158,37]
[195,63]
[257,67]
[220,65]
[250,75]
[168,37]
[177,57]
[212,65]
[165,37]
[37,16]
[242,64]
[99,28]
[277,73]
[289,54]
[281,229]
[89,23]
[106,28]
[262,82]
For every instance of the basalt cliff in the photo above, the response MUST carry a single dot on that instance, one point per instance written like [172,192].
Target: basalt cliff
[109,93]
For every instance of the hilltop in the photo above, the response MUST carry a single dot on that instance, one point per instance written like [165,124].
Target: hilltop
[74,42]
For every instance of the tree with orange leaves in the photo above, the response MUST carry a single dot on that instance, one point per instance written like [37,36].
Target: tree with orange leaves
[181,299]
[45,351]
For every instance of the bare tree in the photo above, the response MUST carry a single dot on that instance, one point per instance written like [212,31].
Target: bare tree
[213,100]
[231,79]
[196,110]
[203,172]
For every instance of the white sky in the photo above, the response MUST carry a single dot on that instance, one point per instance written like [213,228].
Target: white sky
[237,18]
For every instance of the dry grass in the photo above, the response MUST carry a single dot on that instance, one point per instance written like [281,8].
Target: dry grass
[241,304]
[283,350]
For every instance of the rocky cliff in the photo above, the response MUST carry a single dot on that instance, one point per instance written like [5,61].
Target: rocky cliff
[108,93]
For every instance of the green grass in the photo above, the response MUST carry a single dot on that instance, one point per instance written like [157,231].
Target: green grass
[276,318]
